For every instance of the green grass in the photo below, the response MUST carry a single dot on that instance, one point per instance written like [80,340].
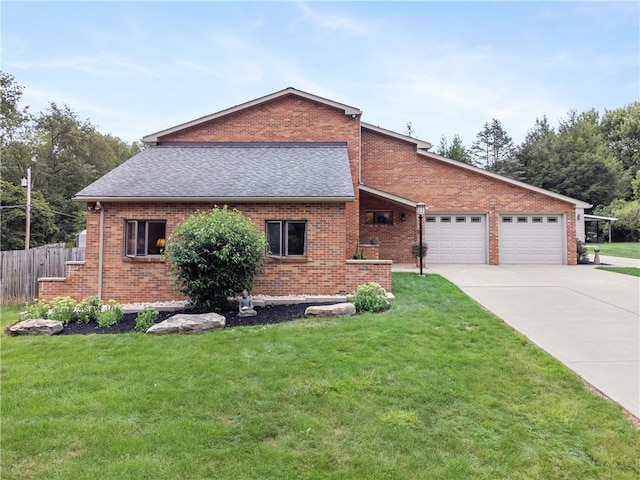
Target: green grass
[620,249]
[633,271]
[433,388]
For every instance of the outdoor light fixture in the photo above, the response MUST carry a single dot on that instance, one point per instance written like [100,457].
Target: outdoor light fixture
[421,208]
[403,217]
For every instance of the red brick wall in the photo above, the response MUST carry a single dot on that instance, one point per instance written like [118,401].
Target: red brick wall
[321,272]
[286,119]
[393,166]
[395,240]
[361,272]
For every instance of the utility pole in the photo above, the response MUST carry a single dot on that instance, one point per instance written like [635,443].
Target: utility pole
[27,234]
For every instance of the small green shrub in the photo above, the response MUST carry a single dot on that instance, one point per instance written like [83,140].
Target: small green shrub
[146,319]
[111,314]
[88,309]
[581,249]
[38,309]
[63,309]
[415,249]
[370,298]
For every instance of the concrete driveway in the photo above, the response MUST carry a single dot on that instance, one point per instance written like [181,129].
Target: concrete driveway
[588,319]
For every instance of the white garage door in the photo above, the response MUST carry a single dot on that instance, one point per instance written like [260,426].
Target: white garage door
[456,238]
[531,239]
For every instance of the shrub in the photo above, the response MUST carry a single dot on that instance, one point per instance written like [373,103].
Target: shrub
[146,319]
[63,309]
[581,249]
[415,249]
[111,314]
[215,255]
[88,309]
[370,298]
[38,309]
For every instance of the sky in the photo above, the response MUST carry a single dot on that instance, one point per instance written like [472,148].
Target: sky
[135,68]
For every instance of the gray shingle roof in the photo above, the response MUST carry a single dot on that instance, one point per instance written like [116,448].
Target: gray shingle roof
[230,171]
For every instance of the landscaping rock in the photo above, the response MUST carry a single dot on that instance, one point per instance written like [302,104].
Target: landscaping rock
[188,323]
[337,310]
[35,326]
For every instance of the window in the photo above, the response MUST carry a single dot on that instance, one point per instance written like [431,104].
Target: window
[286,238]
[536,219]
[552,219]
[381,217]
[507,219]
[445,219]
[461,219]
[476,220]
[145,237]
[522,219]
[430,219]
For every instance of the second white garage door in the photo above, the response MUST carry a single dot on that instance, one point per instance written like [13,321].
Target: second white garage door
[531,239]
[456,238]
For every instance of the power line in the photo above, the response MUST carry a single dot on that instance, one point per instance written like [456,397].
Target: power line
[41,208]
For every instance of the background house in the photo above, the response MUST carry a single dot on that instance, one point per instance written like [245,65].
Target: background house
[319,183]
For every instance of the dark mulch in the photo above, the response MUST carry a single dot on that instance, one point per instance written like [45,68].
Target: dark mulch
[266,316]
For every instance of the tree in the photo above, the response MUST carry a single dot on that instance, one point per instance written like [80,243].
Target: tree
[13,218]
[216,255]
[409,131]
[12,117]
[493,146]
[621,132]
[627,226]
[455,151]
[573,161]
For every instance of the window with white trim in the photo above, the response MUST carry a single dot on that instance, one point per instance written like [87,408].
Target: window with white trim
[286,238]
[145,237]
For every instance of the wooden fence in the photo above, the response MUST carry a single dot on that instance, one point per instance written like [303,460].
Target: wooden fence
[20,270]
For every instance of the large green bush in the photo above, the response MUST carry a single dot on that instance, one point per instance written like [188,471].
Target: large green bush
[215,255]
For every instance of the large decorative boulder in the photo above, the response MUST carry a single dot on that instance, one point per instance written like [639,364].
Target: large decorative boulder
[337,310]
[35,326]
[188,323]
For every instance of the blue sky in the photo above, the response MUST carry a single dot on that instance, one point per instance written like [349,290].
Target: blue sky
[133,68]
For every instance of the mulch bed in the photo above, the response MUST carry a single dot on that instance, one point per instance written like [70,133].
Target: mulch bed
[266,316]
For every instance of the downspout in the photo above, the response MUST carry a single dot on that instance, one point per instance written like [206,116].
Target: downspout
[99,208]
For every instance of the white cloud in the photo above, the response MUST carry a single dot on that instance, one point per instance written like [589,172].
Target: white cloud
[331,22]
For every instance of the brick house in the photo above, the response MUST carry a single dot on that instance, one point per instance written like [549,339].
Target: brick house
[321,185]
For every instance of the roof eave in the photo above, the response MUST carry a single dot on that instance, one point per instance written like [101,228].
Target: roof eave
[420,144]
[406,202]
[564,198]
[91,199]
[152,139]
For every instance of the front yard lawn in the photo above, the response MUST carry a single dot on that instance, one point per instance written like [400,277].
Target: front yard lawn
[619,249]
[633,271]
[433,388]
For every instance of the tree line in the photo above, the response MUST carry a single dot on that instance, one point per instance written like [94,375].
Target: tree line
[65,155]
[587,156]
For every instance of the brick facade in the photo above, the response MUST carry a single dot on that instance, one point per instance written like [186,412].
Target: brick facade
[393,165]
[335,231]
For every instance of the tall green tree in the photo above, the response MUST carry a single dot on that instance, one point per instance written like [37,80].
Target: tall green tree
[621,132]
[573,161]
[455,151]
[493,147]
[64,153]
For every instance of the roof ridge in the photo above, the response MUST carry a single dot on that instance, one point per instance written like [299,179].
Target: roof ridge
[249,144]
